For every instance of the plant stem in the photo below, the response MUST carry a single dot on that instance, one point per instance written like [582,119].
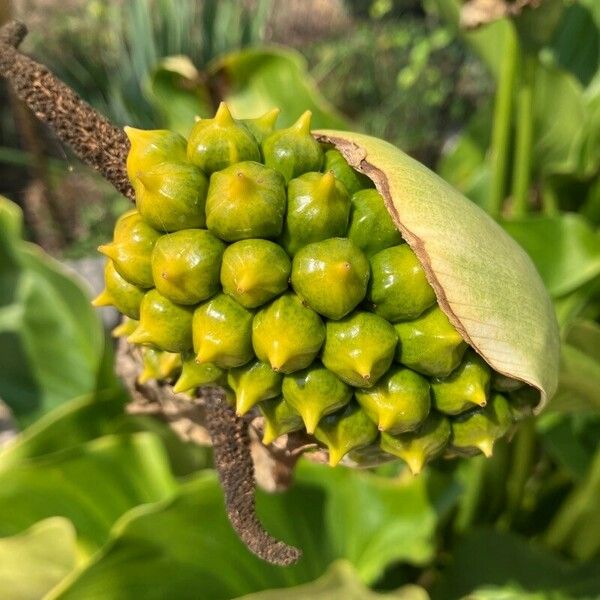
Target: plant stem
[500,146]
[524,139]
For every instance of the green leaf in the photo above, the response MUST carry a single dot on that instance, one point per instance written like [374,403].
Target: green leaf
[565,249]
[34,561]
[166,549]
[504,560]
[484,281]
[51,340]
[375,521]
[92,485]
[253,81]
[340,581]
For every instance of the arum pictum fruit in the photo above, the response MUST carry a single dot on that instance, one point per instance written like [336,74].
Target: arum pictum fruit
[449,278]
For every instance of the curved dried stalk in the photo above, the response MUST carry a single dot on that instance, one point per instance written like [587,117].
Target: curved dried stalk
[96,141]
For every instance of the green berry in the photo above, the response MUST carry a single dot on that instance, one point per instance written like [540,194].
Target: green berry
[331,276]
[262,127]
[430,344]
[345,431]
[152,147]
[371,227]
[172,196]
[318,208]
[163,324]
[287,335]
[465,388]
[222,333]
[398,288]
[315,392]
[131,249]
[158,365]
[255,271]
[359,349]
[293,151]
[352,180]
[418,447]
[253,383]
[217,143]
[121,294]
[279,418]
[478,430]
[186,265]
[194,375]
[246,200]
[399,402]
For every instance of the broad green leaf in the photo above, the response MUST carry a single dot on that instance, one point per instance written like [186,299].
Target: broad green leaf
[179,94]
[565,249]
[166,549]
[92,416]
[504,560]
[51,341]
[340,581]
[483,279]
[92,485]
[253,81]
[374,521]
[33,562]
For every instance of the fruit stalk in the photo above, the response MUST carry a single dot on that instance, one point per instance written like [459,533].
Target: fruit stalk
[96,141]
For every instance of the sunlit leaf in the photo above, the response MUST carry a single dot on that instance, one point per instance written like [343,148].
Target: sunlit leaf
[51,341]
[33,562]
[92,485]
[340,581]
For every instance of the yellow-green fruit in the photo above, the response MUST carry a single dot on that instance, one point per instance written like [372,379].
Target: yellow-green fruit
[344,431]
[131,249]
[287,335]
[262,127]
[186,265]
[125,328]
[172,196]
[293,151]
[352,180]
[279,418]
[217,143]
[158,365]
[371,227]
[255,271]
[253,383]
[194,375]
[398,288]
[152,147]
[222,333]
[430,344]
[121,294]
[246,200]
[478,430]
[331,276]
[465,388]
[399,402]
[314,393]
[359,349]
[318,208]
[163,324]
[418,447]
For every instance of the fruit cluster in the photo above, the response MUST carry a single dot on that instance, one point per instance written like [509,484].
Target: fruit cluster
[258,260]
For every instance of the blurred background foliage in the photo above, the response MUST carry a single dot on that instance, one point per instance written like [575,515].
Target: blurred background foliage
[98,503]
